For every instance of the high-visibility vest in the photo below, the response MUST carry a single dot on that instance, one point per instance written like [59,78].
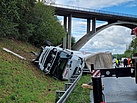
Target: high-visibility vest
[116,61]
[130,61]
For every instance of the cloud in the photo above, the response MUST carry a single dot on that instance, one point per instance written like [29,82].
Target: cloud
[132,4]
[114,39]
[78,28]
[93,4]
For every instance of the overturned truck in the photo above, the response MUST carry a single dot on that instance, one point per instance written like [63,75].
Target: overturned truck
[59,63]
[63,63]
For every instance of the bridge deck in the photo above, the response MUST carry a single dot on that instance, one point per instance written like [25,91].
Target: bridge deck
[89,14]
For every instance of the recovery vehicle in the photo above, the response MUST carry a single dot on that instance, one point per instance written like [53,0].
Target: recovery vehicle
[97,74]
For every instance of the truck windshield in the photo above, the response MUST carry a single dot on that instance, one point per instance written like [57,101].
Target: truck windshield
[63,60]
[61,64]
[64,55]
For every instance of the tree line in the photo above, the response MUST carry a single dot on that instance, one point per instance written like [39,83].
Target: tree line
[30,21]
[130,50]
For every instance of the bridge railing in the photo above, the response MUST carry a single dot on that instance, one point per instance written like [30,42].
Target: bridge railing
[92,10]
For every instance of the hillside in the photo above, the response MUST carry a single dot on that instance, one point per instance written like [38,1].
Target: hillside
[20,80]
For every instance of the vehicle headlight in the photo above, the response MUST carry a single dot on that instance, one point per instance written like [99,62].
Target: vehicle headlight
[54,50]
[49,64]
[53,55]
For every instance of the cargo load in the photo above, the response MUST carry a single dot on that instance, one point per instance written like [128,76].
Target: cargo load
[100,60]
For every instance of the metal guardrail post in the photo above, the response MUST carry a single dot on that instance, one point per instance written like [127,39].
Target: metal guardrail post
[59,93]
[134,58]
[97,85]
[136,72]
[92,67]
[72,80]
[97,89]
[67,85]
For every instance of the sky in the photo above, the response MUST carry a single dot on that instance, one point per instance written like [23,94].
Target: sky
[115,39]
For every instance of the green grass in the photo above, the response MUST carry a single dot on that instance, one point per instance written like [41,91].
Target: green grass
[21,81]
[79,94]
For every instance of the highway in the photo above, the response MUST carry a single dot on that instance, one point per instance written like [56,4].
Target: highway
[119,90]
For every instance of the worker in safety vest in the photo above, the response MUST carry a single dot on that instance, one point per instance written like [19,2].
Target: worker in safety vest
[117,62]
[131,64]
[128,62]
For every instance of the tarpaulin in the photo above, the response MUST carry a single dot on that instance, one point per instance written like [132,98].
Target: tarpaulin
[100,60]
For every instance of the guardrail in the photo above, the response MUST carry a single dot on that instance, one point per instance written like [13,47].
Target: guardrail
[61,96]
[92,10]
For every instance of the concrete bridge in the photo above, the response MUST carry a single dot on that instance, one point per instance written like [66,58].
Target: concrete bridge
[113,18]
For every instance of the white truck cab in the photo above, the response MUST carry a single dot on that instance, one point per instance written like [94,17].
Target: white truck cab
[59,63]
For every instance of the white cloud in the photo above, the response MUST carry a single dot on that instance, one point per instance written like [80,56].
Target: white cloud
[94,4]
[78,28]
[114,39]
[132,4]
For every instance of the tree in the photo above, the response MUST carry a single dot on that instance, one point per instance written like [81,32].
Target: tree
[47,26]
[25,21]
[8,13]
[73,41]
[133,45]
[131,49]
[31,21]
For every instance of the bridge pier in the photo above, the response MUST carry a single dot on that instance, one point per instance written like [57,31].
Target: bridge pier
[88,25]
[68,39]
[69,31]
[94,25]
[65,27]
[67,24]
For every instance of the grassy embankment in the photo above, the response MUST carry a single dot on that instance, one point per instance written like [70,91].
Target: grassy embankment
[22,82]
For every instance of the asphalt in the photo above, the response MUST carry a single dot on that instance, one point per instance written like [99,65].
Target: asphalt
[118,90]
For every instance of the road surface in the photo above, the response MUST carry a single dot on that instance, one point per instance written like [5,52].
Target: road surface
[120,90]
